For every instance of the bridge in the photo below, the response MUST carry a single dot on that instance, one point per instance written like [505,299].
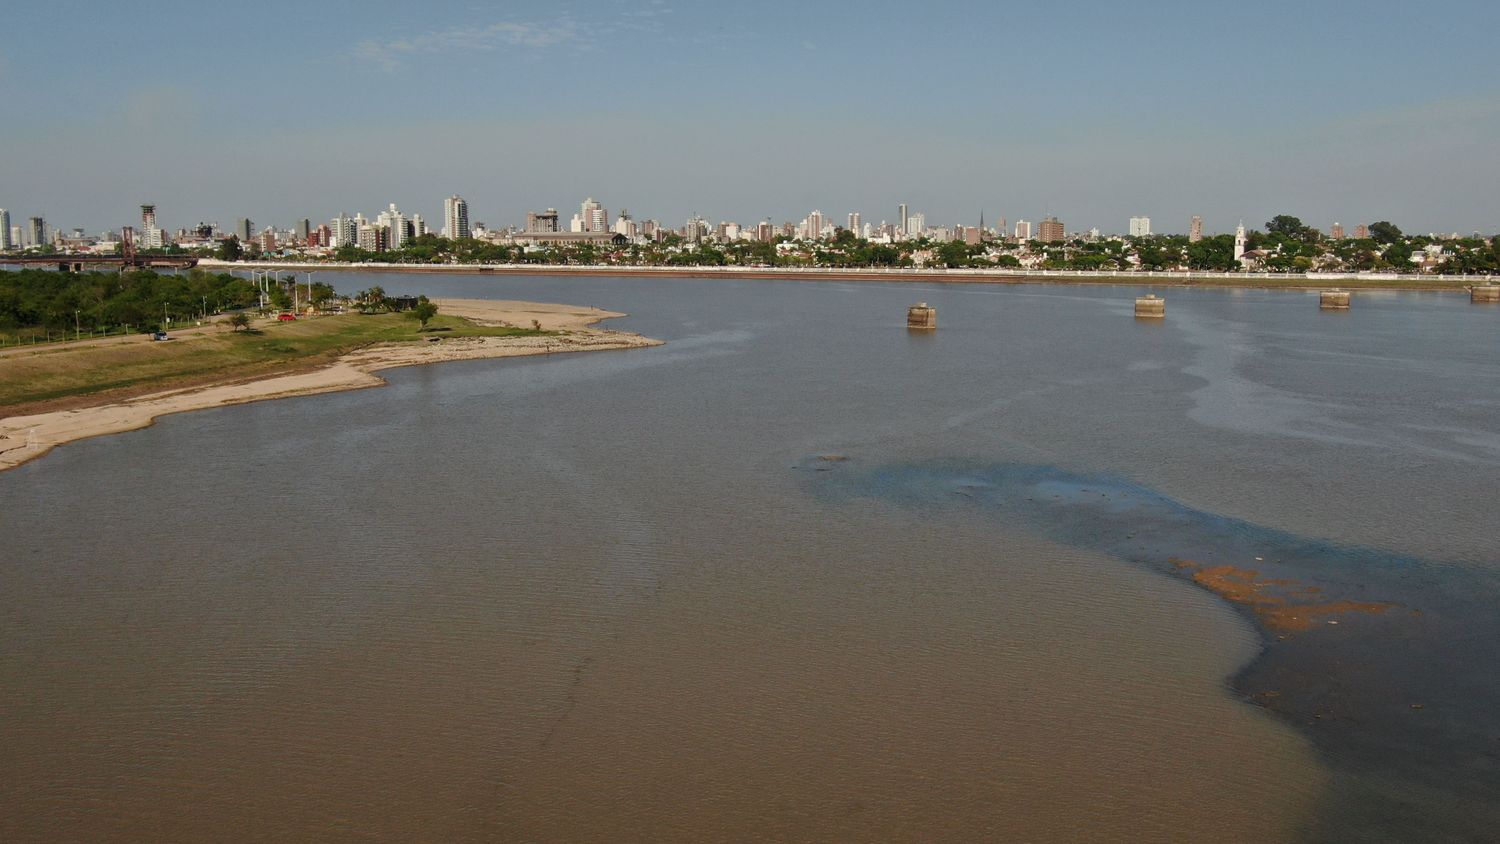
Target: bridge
[77,263]
[128,259]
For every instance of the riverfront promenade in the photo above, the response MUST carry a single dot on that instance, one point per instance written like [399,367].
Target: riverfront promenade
[1309,281]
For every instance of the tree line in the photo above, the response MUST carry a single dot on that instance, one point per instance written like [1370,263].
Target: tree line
[43,299]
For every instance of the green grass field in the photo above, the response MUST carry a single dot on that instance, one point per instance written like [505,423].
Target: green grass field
[53,376]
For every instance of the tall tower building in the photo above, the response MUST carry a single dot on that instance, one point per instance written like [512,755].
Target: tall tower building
[456,218]
[815,225]
[242,229]
[901,215]
[1051,230]
[1023,230]
[916,223]
[345,231]
[1140,226]
[1239,244]
[854,223]
[304,228]
[151,236]
[1337,232]
[5,243]
[395,221]
[593,217]
[1195,229]
[419,225]
[36,231]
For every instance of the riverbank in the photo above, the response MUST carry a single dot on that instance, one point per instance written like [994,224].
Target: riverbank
[1287,281]
[556,329]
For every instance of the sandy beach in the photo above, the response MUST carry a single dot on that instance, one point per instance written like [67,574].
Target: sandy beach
[24,438]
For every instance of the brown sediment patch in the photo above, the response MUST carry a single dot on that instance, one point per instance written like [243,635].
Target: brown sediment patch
[1270,598]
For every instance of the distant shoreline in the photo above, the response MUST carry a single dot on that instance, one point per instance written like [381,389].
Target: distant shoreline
[1267,281]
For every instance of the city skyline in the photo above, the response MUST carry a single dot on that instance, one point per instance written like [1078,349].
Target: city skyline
[594,218]
[744,117]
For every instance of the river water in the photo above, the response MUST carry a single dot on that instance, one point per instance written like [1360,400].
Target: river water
[798,574]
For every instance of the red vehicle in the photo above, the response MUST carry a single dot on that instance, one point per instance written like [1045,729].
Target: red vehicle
[286,317]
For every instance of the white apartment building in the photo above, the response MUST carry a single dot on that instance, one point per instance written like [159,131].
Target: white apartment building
[456,218]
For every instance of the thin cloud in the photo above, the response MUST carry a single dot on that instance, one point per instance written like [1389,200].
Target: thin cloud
[500,34]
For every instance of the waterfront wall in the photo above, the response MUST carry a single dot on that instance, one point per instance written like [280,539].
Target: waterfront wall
[1248,279]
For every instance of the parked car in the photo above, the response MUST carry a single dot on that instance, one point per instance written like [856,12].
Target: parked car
[160,335]
[287,317]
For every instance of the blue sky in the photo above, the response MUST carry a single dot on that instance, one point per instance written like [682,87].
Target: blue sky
[1091,111]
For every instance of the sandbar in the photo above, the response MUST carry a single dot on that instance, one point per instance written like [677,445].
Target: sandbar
[24,438]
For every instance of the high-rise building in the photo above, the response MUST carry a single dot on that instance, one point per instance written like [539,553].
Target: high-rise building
[345,231]
[1337,232]
[374,237]
[1361,232]
[541,222]
[268,239]
[395,223]
[243,229]
[419,225]
[151,236]
[304,228]
[854,223]
[592,216]
[1195,229]
[1139,227]
[901,216]
[814,225]
[36,232]
[1051,230]
[5,242]
[1023,230]
[916,223]
[456,218]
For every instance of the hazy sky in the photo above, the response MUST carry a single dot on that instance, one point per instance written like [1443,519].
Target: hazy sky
[1332,111]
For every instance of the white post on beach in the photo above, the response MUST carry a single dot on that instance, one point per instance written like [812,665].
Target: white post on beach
[31,439]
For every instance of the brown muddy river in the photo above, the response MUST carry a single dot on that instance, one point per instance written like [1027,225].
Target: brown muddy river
[610,597]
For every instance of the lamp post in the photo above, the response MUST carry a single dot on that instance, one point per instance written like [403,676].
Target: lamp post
[77,332]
